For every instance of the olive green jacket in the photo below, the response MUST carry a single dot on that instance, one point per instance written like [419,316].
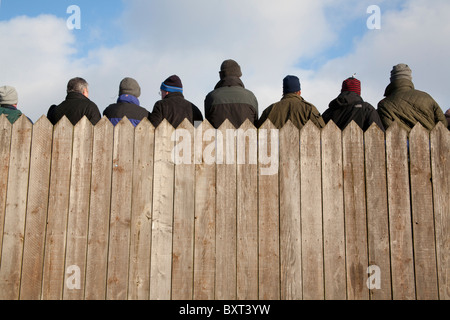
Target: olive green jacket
[292,107]
[409,106]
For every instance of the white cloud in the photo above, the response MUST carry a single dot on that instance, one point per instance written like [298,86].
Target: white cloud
[269,39]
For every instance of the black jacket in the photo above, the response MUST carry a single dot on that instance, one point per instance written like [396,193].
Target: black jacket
[348,107]
[174,108]
[75,107]
[133,112]
[230,100]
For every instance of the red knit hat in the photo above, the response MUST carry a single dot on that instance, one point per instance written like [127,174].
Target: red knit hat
[352,84]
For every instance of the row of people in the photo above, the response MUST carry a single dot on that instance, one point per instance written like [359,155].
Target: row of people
[231,100]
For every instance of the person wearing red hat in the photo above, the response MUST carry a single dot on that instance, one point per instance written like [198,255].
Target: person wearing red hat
[349,106]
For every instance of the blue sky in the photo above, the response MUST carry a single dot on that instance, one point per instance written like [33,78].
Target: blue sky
[322,42]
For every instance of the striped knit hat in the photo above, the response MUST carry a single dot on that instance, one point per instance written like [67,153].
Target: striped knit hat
[353,85]
[172,84]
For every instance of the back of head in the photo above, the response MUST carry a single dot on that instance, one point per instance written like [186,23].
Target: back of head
[8,96]
[130,86]
[230,68]
[352,85]
[172,84]
[291,84]
[401,71]
[77,85]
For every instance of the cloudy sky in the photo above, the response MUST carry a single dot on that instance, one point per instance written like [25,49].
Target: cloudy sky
[322,42]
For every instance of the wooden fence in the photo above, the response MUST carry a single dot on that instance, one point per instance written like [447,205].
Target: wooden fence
[136,213]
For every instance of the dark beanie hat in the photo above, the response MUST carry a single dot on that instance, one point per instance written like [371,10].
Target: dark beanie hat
[353,85]
[172,84]
[230,68]
[291,84]
[130,86]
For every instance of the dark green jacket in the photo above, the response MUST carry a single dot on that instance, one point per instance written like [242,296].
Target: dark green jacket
[292,107]
[409,106]
[11,113]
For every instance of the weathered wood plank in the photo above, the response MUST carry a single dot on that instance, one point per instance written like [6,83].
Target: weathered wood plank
[247,212]
[440,155]
[100,207]
[78,219]
[377,214]
[162,227]
[5,153]
[422,215]
[226,214]
[403,284]
[15,210]
[205,212]
[184,213]
[333,214]
[141,221]
[311,213]
[290,232]
[269,213]
[58,208]
[355,212]
[36,219]
[120,221]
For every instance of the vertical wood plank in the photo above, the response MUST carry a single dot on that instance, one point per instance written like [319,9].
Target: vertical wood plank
[311,213]
[377,212]
[205,210]
[36,220]
[333,214]
[226,214]
[184,213]
[77,224]
[269,213]
[403,284]
[355,212]
[247,212]
[5,150]
[440,155]
[100,206]
[58,207]
[15,211]
[162,227]
[141,221]
[422,215]
[290,233]
[120,221]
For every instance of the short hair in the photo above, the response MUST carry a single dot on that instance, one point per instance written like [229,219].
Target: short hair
[77,85]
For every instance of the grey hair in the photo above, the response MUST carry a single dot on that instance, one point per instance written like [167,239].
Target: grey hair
[77,85]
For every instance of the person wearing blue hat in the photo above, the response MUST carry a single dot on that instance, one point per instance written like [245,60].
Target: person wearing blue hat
[173,106]
[292,107]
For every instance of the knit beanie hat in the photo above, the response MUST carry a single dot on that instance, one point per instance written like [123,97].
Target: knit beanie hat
[401,71]
[172,84]
[353,85]
[130,86]
[291,84]
[8,96]
[230,68]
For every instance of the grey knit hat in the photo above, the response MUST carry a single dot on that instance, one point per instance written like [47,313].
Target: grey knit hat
[130,86]
[401,71]
[8,96]
[230,68]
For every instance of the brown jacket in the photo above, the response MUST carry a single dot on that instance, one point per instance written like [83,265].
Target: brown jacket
[292,107]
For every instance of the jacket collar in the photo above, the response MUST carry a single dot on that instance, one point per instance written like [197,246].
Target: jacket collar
[230,81]
[397,85]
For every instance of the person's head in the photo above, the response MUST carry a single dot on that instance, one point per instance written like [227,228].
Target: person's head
[8,96]
[352,85]
[78,85]
[401,71]
[230,68]
[129,86]
[171,85]
[291,84]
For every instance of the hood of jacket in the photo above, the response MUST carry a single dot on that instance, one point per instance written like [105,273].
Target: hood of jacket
[230,81]
[399,85]
[345,99]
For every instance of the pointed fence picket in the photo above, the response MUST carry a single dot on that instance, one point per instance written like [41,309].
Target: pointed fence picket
[103,212]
